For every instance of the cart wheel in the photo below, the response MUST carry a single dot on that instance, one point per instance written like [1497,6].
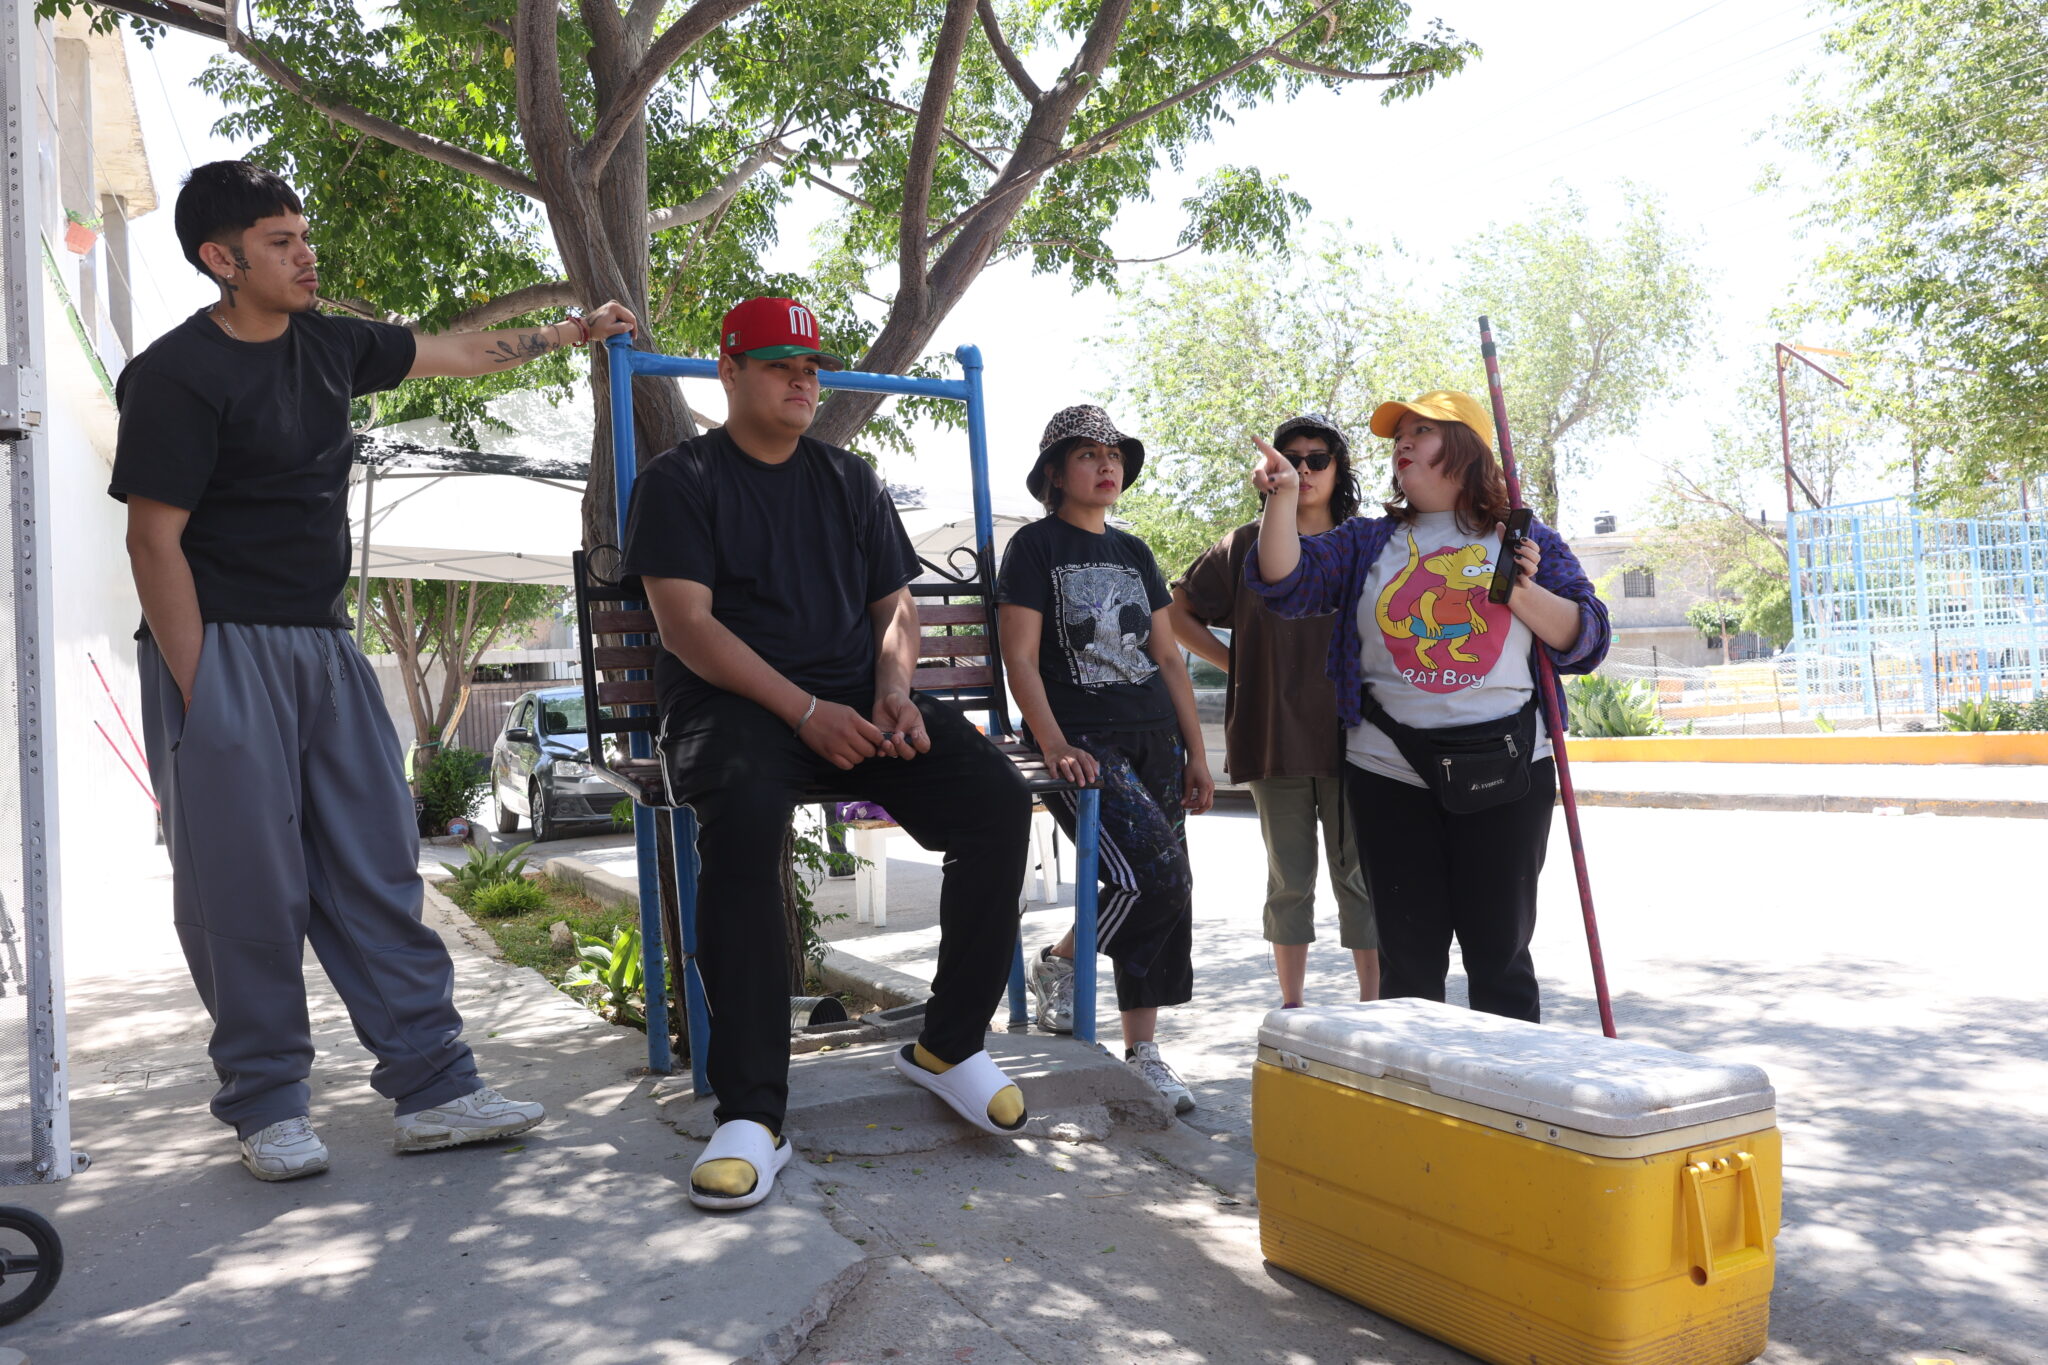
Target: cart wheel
[27,1274]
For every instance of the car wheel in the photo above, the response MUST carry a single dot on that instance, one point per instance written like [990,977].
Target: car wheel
[508,821]
[543,824]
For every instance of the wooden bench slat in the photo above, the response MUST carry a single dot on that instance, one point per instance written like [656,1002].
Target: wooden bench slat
[611,658]
[977,675]
[953,614]
[952,646]
[622,623]
[632,693]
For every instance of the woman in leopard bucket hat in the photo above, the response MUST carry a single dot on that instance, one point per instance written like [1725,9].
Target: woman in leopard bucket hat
[1081,424]
[1105,696]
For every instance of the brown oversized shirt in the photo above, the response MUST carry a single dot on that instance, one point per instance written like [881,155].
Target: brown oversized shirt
[1280,711]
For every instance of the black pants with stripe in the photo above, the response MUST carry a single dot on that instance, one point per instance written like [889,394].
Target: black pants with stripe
[1145,921]
[743,772]
[1435,876]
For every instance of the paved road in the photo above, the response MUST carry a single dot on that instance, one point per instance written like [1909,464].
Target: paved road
[1886,971]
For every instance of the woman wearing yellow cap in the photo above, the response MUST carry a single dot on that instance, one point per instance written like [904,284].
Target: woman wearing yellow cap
[1448,771]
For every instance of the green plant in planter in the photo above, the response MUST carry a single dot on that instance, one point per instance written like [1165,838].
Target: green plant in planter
[622,814]
[1979,715]
[502,899]
[488,869]
[610,978]
[1598,707]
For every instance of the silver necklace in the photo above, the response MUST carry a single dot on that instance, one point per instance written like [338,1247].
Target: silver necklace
[214,313]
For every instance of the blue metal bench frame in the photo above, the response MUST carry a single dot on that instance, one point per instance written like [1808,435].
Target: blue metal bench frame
[626,362]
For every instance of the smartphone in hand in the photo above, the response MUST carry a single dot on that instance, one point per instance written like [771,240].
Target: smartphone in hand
[1506,568]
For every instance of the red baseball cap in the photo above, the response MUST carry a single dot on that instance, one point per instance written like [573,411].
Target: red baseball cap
[773,329]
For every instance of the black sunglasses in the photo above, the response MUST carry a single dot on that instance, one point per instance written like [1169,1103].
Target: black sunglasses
[1317,460]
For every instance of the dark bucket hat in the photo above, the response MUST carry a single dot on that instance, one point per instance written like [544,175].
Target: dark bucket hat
[1083,422]
[1340,444]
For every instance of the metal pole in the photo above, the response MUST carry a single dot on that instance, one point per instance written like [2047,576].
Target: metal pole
[363,577]
[1553,708]
[660,1057]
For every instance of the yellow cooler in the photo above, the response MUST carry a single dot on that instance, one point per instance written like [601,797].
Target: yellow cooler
[1530,1194]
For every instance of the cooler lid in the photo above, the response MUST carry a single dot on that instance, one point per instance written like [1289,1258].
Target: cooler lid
[1613,1087]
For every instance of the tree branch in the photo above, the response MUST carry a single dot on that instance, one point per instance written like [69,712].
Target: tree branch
[923,161]
[641,19]
[1019,77]
[956,139]
[630,100]
[518,303]
[1086,254]
[1100,141]
[607,27]
[407,139]
[361,308]
[1339,73]
[715,198]
[848,195]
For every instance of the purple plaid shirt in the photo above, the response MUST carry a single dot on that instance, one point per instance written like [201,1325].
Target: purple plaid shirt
[1331,578]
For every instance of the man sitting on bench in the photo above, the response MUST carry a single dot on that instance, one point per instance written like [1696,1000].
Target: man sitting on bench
[777,570]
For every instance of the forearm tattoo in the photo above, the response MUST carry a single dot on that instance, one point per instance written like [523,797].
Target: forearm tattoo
[519,348]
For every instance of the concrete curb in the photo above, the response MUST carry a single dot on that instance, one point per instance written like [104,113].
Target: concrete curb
[1814,801]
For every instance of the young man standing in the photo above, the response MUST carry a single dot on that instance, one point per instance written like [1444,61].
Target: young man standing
[1280,735]
[778,573]
[275,763]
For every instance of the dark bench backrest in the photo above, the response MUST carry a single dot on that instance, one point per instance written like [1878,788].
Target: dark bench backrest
[959,654]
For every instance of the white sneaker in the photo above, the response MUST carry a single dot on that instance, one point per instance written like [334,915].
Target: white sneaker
[1146,1061]
[285,1150]
[479,1116]
[1051,980]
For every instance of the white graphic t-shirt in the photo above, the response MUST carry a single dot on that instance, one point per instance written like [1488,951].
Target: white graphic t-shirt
[1433,650]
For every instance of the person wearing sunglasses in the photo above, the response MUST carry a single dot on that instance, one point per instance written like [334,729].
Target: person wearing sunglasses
[1280,731]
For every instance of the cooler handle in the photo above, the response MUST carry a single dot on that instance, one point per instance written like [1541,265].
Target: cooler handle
[1740,1167]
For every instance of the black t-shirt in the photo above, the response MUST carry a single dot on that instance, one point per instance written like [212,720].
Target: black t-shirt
[1097,594]
[793,554]
[253,439]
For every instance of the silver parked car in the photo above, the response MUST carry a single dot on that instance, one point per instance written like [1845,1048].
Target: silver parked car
[540,767]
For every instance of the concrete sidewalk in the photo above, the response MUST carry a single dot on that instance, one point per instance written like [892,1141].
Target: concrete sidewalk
[1913,788]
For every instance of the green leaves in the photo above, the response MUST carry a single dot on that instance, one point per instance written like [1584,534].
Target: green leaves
[1599,707]
[1939,205]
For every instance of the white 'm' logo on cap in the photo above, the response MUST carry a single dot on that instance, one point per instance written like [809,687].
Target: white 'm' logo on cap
[801,322]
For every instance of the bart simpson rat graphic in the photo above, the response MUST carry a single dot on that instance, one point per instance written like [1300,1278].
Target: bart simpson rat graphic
[1442,606]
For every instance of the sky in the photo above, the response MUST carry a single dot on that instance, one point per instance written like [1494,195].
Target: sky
[1678,97]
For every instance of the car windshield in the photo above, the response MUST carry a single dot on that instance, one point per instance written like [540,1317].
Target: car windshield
[562,716]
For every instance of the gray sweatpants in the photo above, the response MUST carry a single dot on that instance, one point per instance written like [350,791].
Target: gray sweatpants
[287,815]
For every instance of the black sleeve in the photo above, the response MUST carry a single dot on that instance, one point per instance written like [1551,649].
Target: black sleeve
[669,532]
[168,442]
[891,561]
[384,355]
[1156,592]
[1025,579]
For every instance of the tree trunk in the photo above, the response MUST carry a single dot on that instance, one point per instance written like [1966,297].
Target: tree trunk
[792,921]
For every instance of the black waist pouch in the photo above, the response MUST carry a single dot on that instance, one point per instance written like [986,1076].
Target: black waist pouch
[1469,767]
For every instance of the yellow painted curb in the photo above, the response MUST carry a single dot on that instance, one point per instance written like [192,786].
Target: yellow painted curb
[2023,747]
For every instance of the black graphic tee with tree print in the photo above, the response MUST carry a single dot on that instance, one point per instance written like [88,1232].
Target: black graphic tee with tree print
[1097,594]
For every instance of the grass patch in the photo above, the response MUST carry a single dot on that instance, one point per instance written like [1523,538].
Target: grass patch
[523,938]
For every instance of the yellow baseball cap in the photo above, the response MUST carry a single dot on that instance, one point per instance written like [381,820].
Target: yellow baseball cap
[1444,405]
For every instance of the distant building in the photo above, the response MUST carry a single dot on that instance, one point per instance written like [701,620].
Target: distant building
[1646,604]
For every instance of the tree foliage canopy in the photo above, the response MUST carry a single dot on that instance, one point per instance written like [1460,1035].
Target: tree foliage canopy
[471,160]
[1936,140]
[1211,355]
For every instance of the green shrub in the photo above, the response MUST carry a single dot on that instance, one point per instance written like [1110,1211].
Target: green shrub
[502,899]
[1599,707]
[611,977]
[1993,713]
[488,869]
[2037,714]
[451,784]
[622,814]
